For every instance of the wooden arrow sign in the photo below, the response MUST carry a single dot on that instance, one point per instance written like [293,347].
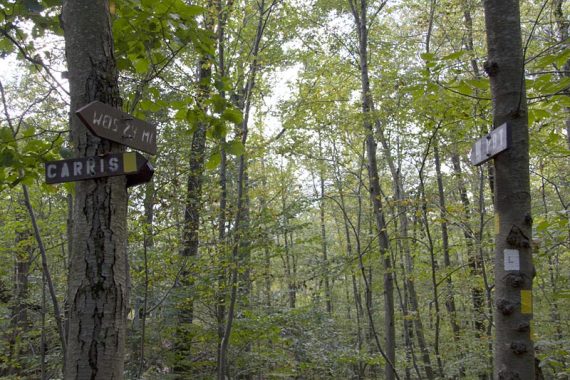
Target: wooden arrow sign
[115,125]
[132,164]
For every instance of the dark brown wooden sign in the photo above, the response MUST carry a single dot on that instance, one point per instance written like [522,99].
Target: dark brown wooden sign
[115,125]
[132,164]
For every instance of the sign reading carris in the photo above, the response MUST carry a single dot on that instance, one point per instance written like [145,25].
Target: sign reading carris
[133,164]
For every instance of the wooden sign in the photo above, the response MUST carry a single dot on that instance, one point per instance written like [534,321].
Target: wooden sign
[489,146]
[133,164]
[115,125]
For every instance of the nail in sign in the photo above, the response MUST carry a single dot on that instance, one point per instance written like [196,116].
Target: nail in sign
[112,124]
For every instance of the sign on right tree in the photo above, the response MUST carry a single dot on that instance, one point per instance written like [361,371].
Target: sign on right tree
[489,146]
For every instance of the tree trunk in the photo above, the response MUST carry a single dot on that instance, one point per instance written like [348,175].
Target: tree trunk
[450,299]
[562,24]
[404,245]
[360,16]
[191,226]
[98,277]
[514,271]
[148,243]
[328,295]
[347,224]
[19,321]
[433,260]
[241,244]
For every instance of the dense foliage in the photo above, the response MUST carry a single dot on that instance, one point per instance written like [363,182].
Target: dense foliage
[287,279]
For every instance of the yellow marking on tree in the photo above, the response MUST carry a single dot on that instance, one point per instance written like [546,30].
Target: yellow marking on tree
[526,301]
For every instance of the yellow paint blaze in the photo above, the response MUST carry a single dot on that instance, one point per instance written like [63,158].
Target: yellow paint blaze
[130,162]
[526,301]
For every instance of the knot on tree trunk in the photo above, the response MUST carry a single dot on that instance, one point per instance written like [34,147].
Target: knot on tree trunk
[506,307]
[519,348]
[528,220]
[515,280]
[491,68]
[506,374]
[517,238]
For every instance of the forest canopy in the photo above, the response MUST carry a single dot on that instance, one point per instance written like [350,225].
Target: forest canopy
[314,210]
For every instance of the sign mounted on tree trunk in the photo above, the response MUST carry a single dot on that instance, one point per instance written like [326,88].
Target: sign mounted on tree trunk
[133,164]
[489,146]
[115,125]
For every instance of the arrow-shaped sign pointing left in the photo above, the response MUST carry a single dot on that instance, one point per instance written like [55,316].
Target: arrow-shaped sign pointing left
[115,125]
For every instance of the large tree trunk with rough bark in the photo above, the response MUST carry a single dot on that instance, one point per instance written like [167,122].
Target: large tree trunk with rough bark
[514,272]
[98,277]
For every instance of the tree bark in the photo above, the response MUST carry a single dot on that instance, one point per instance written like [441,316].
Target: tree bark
[360,16]
[450,299]
[328,295]
[514,351]
[191,225]
[563,24]
[19,320]
[148,243]
[433,260]
[99,277]
[241,244]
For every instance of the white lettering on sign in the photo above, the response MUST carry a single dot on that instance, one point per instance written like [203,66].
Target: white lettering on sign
[106,121]
[489,146]
[90,167]
[97,119]
[130,131]
[77,167]
[114,164]
[512,259]
[50,170]
[64,171]
[147,136]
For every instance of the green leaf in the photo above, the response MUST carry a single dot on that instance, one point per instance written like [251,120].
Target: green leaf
[218,103]
[427,56]
[141,65]
[180,114]
[482,83]
[214,161]
[190,11]
[233,115]
[542,225]
[455,55]
[123,64]
[235,147]
[6,135]
[218,129]
[464,88]
[7,158]
[147,3]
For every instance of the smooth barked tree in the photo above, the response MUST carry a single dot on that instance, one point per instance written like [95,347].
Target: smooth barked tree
[514,271]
